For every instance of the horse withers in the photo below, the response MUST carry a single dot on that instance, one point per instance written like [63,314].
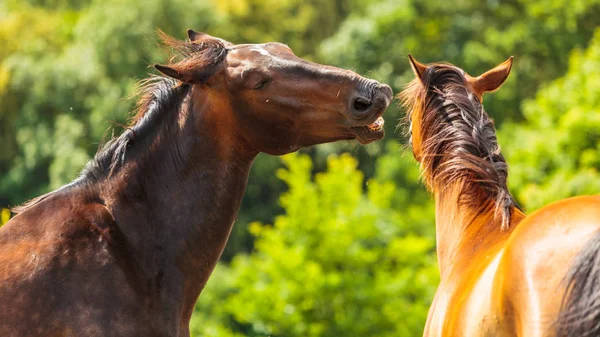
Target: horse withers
[502,273]
[127,247]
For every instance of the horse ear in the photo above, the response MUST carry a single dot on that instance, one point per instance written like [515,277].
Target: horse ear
[492,79]
[171,72]
[417,67]
[189,72]
[198,37]
[177,71]
[195,36]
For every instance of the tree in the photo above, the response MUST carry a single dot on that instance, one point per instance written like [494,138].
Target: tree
[555,153]
[67,66]
[475,35]
[64,79]
[340,261]
[299,23]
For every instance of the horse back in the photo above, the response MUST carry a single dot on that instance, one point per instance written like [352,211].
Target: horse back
[536,260]
[60,274]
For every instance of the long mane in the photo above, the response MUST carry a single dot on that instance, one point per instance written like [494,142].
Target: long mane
[159,100]
[459,142]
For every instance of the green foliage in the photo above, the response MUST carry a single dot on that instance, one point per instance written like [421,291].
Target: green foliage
[474,34]
[340,261]
[352,251]
[556,153]
[4,216]
[301,24]
[64,81]
[66,68]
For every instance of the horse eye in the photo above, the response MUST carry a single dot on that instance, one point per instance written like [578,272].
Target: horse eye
[261,84]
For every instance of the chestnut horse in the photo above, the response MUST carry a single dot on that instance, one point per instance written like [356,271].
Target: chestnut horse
[502,273]
[126,248]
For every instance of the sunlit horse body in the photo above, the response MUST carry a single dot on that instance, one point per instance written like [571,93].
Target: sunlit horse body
[502,273]
[126,249]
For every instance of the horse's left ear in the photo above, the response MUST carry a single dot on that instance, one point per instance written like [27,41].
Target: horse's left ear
[417,67]
[195,36]
[492,79]
[172,72]
[187,74]
[199,37]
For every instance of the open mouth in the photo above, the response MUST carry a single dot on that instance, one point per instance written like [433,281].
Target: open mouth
[366,134]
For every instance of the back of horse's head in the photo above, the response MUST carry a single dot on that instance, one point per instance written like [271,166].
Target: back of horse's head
[453,137]
[289,102]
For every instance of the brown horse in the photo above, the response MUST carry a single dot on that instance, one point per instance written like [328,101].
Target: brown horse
[502,273]
[126,248]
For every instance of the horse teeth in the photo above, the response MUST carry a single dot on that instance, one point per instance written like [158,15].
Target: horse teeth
[377,125]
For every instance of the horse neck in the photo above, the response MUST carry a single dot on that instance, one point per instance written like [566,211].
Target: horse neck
[464,232]
[177,204]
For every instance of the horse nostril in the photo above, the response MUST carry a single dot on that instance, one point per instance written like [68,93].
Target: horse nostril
[362,104]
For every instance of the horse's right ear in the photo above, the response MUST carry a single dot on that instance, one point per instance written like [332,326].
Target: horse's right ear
[172,72]
[417,67]
[491,80]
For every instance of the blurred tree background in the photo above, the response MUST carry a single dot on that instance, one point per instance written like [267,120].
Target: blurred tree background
[327,243]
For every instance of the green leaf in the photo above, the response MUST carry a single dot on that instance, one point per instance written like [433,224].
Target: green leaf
[4,216]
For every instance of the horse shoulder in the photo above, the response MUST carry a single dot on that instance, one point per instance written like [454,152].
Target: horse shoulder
[536,259]
[465,303]
[59,272]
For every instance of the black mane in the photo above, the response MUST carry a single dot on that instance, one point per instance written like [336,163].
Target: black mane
[161,98]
